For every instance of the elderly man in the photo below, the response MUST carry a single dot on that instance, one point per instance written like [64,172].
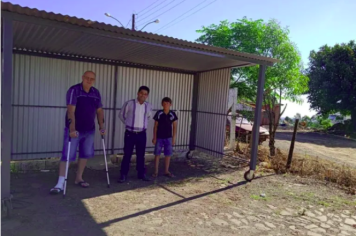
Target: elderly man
[83,104]
[135,114]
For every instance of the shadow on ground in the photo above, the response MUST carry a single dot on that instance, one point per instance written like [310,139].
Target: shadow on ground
[38,213]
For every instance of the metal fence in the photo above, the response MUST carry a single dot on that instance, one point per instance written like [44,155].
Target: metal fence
[179,87]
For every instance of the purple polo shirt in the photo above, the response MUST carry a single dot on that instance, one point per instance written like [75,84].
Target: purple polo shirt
[85,104]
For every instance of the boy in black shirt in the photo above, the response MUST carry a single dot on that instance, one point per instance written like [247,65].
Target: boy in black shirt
[163,137]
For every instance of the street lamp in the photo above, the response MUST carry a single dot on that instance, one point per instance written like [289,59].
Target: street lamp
[108,15]
[156,21]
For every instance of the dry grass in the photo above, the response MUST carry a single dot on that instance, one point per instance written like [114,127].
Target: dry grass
[307,166]
[316,168]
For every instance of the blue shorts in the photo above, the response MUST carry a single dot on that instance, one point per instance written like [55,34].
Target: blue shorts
[85,141]
[166,144]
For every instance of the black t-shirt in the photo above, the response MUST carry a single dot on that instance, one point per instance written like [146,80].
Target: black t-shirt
[165,122]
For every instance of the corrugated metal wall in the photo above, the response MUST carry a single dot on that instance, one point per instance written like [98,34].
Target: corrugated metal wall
[39,88]
[212,109]
[179,87]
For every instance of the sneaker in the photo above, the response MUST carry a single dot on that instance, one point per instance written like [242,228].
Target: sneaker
[122,179]
[144,178]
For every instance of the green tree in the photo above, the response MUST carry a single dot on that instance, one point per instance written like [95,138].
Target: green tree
[284,80]
[332,85]
[306,119]
[289,120]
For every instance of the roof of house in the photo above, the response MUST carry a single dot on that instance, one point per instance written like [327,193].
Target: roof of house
[48,32]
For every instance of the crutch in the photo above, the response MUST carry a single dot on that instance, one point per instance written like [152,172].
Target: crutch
[67,164]
[106,163]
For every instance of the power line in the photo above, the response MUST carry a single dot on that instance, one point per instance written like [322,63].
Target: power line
[128,23]
[147,7]
[134,16]
[169,24]
[181,15]
[141,19]
[166,11]
[153,8]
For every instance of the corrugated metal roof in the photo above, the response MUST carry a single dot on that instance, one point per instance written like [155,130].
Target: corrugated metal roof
[119,43]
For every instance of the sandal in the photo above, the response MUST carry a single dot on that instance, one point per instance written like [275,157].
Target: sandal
[55,191]
[169,175]
[82,184]
[155,175]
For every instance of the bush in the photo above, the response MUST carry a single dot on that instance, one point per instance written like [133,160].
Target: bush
[314,125]
[322,123]
[343,129]
[326,123]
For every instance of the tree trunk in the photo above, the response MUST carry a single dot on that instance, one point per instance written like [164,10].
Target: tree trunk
[238,149]
[353,120]
[272,149]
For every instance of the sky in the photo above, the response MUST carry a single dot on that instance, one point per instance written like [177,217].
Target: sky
[312,23]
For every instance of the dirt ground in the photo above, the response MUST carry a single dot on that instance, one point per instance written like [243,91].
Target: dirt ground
[204,199]
[330,147]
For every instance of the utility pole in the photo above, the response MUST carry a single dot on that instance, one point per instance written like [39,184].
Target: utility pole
[133,22]
[133,27]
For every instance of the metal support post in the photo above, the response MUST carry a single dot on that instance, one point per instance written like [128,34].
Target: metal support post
[249,175]
[193,126]
[6,111]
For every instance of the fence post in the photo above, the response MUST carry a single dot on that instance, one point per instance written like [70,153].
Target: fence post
[290,155]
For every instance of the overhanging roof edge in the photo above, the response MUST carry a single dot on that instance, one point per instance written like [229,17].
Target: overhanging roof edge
[9,7]
[29,52]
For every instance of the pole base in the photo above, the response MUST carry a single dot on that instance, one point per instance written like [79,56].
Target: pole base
[7,207]
[249,175]
[187,155]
